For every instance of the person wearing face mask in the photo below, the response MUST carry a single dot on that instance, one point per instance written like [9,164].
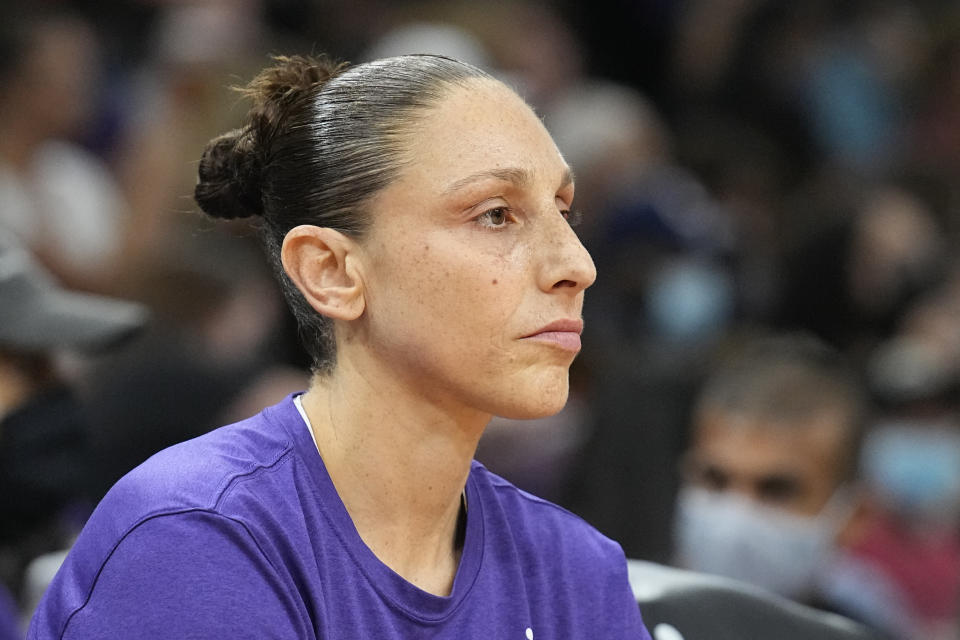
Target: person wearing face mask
[768,495]
[910,464]
[912,468]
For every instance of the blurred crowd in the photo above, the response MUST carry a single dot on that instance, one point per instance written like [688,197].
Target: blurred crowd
[770,385]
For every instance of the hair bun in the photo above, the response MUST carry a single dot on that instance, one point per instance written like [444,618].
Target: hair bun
[229,177]
[231,172]
[289,78]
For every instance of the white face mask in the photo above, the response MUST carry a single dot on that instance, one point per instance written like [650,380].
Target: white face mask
[731,535]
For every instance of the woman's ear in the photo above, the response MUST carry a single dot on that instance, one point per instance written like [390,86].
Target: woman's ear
[324,266]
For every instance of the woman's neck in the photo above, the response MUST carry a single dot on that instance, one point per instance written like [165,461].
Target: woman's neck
[399,463]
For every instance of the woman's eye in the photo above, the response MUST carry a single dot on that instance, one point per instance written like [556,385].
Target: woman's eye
[496,217]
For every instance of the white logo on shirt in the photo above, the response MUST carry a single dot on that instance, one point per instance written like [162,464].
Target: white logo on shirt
[529,633]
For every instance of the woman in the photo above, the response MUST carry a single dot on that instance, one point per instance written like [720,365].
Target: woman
[418,211]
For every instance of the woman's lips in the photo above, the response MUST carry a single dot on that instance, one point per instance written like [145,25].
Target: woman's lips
[565,334]
[566,340]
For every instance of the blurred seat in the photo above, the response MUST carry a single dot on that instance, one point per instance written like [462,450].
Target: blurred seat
[682,605]
[37,578]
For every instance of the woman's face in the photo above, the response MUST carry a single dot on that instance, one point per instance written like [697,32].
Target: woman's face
[470,259]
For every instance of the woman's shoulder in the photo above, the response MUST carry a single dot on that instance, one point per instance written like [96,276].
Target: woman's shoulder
[197,473]
[178,520]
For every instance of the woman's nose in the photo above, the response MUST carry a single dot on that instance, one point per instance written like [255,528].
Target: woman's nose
[566,264]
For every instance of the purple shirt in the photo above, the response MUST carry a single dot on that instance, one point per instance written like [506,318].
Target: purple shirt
[241,534]
[9,617]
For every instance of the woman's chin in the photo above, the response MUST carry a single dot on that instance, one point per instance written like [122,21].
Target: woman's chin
[539,402]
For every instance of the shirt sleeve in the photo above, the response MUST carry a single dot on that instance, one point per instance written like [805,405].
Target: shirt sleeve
[623,599]
[189,575]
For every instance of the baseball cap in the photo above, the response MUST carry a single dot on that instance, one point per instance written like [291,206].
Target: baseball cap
[37,314]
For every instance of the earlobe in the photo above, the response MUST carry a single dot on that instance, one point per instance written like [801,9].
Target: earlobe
[323,265]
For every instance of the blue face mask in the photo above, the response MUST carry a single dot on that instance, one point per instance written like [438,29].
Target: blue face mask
[689,301]
[916,469]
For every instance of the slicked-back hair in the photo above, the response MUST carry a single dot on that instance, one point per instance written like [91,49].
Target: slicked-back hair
[322,139]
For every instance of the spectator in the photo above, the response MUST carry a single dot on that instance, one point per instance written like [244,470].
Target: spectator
[852,275]
[59,199]
[911,466]
[769,494]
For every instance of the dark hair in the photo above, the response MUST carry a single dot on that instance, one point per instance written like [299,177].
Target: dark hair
[322,139]
[787,381]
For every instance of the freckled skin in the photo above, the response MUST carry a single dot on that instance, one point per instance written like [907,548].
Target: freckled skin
[431,314]
[428,348]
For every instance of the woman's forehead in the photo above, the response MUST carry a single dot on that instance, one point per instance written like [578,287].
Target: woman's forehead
[483,128]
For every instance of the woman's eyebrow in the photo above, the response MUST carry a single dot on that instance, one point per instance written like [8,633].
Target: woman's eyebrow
[517,176]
